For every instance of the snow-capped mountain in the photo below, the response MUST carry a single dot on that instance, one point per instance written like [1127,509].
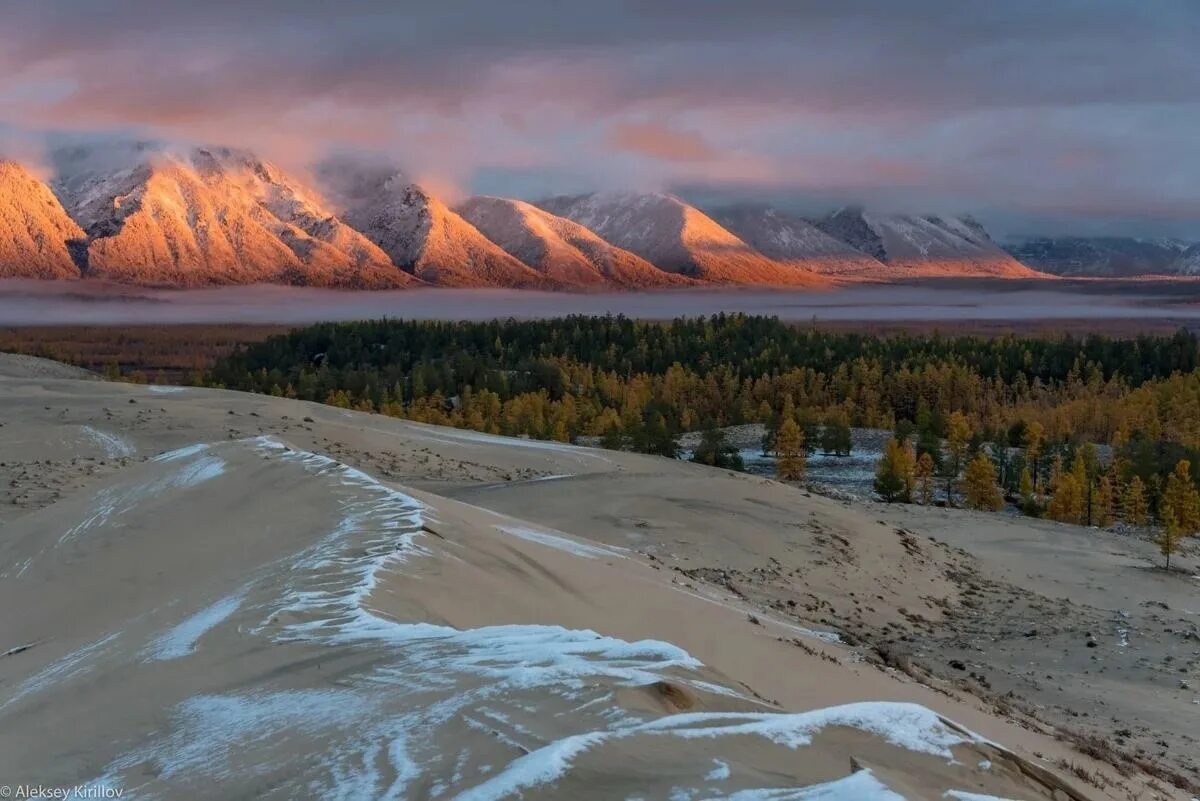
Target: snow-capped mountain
[678,238]
[1107,257]
[419,232]
[792,239]
[561,248]
[211,216]
[1188,262]
[924,246]
[36,235]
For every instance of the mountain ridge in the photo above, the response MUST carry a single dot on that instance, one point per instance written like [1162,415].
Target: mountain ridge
[148,213]
[677,237]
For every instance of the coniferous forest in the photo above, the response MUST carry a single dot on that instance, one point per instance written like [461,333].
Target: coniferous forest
[1036,408]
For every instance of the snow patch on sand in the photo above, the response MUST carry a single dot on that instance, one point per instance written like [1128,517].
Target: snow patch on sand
[586,550]
[70,666]
[181,453]
[457,436]
[905,725]
[859,786]
[113,446]
[181,640]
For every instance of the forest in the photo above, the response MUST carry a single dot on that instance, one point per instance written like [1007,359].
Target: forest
[1082,429]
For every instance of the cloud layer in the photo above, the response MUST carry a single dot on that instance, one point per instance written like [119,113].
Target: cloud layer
[1080,111]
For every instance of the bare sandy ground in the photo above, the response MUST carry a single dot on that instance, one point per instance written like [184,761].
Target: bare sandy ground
[217,595]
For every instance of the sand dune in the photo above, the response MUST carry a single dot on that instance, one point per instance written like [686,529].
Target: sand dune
[256,597]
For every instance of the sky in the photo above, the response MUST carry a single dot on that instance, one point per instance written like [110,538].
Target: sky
[1054,116]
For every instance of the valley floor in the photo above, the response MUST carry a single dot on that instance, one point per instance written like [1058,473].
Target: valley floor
[211,594]
[974,305]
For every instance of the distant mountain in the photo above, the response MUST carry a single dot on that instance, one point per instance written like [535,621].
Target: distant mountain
[560,248]
[419,232]
[924,246]
[1189,261]
[212,216]
[1108,257]
[678,238]
[792,239]
[35,232]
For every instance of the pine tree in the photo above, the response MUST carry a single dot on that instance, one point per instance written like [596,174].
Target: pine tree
[979,485]
[714,451]
[1134,510]
[836,436]
[894,476]
[789,447]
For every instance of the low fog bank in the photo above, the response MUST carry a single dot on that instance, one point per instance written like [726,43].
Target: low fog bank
[80,303]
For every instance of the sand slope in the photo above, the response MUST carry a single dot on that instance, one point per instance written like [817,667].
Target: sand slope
[244,600]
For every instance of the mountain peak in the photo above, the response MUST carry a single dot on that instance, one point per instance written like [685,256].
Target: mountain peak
[677,237]
[560,248]
[36,234]
[212,215]
[926,246]
[419,232]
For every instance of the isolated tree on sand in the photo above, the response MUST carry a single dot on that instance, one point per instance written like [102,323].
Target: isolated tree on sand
[979,485]
[1170,536]
[923,476]
[790,463]
[894,477]
[1134,509]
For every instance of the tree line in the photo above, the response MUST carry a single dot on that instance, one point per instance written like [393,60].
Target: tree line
[1029,405]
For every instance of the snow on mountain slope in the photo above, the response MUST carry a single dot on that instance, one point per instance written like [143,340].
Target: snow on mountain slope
[678,238]
[212,216]
[34,228]
[1107,257]
[1188,262]
[924,246]
[419,232]
[792,239]
[561,248]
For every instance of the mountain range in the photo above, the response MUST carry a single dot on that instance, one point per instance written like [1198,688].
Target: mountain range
[1109,256]
[151,214]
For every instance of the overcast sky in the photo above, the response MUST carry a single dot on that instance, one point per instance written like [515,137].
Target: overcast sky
[1046,115]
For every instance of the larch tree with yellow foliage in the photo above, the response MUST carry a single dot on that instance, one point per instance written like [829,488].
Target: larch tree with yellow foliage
[894,477]
[923,477]
[958,442]
[1170,536]
[790,464]
[1134,509]
[1182,500]
[979,485]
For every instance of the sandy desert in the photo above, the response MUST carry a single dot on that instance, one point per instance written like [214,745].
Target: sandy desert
[211,594]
